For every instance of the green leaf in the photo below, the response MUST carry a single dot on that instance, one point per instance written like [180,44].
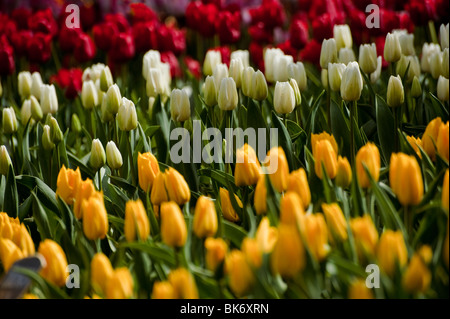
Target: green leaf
[233,232]
[11,199]
[40,216]
[284,140]
[385,128]
[156,252]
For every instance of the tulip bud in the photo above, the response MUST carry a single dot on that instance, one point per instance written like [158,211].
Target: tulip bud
[337,225]
[445,196]
[23,239]
[24,84]
[137,225]
[365,235]
[177,188]
[395,93]
[235,71]
[216,249]
[358,290]
[47,142]
[323,136]
[415,143]
[252,252]
[113,156]
[444,35]
[298,96]
[242,55]
[106,116]
[346,55]
[344,173]
[391,251]
[67,184]
[36,83]
[406,43]
[148,168]
[106,79]
[212,58]
[368,57]
[258,89]
[5,160]
[392,48]
[227,97]
[436,64]
[56,262]
[220,72]
[445,63]
[179,105]
[278,168]
[266,236]
[89,96]
[284,98]
[328,53]
[151,59]
[280,65]
[163,290]
[298,183]
[101,271]
[442,89]
[297,72]
[351,83]
[343,36]
[209,91]
[227,208]
[57,135]
[430,136]
[247,169]
[324,154]
[49,101]
[247,78]
[316,235]
[442,142]
[173,226]
[95,218]
[291,210]
[260,197]
[240,274]
[414,67]
[417,277]
[9,120]
[205,218]
[183,284]
[83,192]
[428,50]
[158,190]
[98,156]
[270,56]
[368,155]
[120,284]
[324,78]
[154,85]
[416,89]
[335,71]
[127,116]
[288,255]
[9,253]
[113,99]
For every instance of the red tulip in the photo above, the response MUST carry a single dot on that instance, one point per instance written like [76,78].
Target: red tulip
[287,48]
[208,16]
[144,35]
[193,14]
[421,11]
[405,21]
[69,80]
[141,13]
[7,64]
[193,66]
[89,15]
[20,16]
[229,27]
[169,57]
[311,52]
[388,21]
[43,21]
[84,48]
[21,40]
[123,48]
[271,13]
[323,27]
[39,48]
[299,34]
[119,20]
[171,39]
[257,54]
[260,33]
[104,34]
[68,38]
[226,54]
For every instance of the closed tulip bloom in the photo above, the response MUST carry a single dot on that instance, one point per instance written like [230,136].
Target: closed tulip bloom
[337,225]
[368,57]
[406,43]
[442,142]
[281,63]
[391,252]
[127,116]
[252,252]
[155,82]
[5,160]
[227,208]
[84,191]
[205,218]
[57,135]
[95,218]
[365,235]
[288,255]
[98,155]
[101,271]
[260,196]
[298,183]
[346,55]
[284,98]
[259,90]
[395,92]
[374,76]
[159,193]
[173,226]
[227,97]
[35,108]
[177,187]
[243,55]
[151,59]
[180,107]
[113,156]
[89,95]
[328,53]
[137,226]
[216,249]
[67,183]
[351,83]
[335,71]
[148,168]
[436,64]
[277,168]
[297,72]
[240,274]
[247,78]
[106,79]
[47,142]
[427,51]
[323,136]
[298,96]
[368,155]
[25,112]
[344,172]
[417,277]
[220,72]
[405,178]
[270,56]
[444,35]
[324,154]
[316,235]
[9,120]
[75,125]
[120,284]
[210,91]
[9,253]
[266,236]
[445,193]
[343,36]
[442,89]
[24,84]
[416,89]
[392,48]
[291,210]
[163,290]
[247,170]
[36,83]
[413,70]
[358,290]
[56,262]
[415,143]
[22,239]
[235,71]
[113,99]
[430,136]
[183,284]
[212,58]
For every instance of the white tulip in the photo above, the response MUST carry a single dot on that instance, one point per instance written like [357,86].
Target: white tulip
[346,55]
[36,83]
[284,98]
[235,71]
[335,71]
[227,97]
[212,58]
[269,57]
[444,36]
[89,95]
[298,73]
[328,52]
[368,57]
[49,101]
[127,116]
[442,88]
[392,48]
[24,84]
[343,36]
[180,107]
[351,83]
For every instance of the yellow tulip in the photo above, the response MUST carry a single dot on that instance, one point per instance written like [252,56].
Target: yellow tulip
[23,239]
[205,218]
[101,271]
[159,193]
[137,225]
[6,226]
[337,225]
[279,168]
[316,235]
[95,218]
[183,284]
[365,235]
[216,249]
[227,208]
[415,143]
[239,273]
[163,290]
[67,184]
[391,251]
[260,197]
[9,253]
[173,225]
[369,155]
[247,169]
[359,290]
[442,142]
[430,136]
[344,172]
[323,136]
[266,236]
[56,262]
[445,191]
[177,188]
[325,154]
[405,178]
[417,277]
[148,168]
[298,182]
[85,190]
[291,210]
[252,252]
[30,296]
[120,284]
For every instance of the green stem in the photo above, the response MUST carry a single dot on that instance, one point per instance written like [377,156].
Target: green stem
[151,214]
[432,30]
[130,156]
[396,121]
[352,131]
[13,155]
[407,218]
[93,124]
[329,106]
[116,131]
[99,180]
[228,115]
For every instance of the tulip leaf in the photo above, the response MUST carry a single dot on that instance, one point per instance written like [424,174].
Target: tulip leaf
[234,232]
[159,117]
[156,252]
[385,128]
[49,289]
[41,219]
[45,193]
[284,141]
[11,199]
[220,177]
